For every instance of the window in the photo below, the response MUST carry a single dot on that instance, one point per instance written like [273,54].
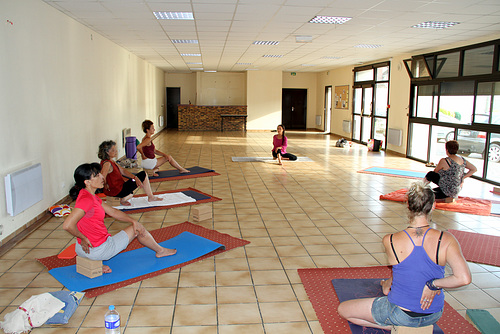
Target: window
[456,102]
[487,103]
[383,73]
[479,61]
[426,101]
[418,148]
[366,75]
[447,65]
[381,96]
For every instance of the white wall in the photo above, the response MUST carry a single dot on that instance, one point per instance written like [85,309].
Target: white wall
[264,99]
[221,89]
[63,90]
[186,82]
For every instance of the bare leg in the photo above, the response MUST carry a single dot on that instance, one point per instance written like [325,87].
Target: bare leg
[147,240]
[146,185]
[176,165]
[124,200]
[359,312]
[279,159]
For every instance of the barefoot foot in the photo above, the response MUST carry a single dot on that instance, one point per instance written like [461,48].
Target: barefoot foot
[166,252]
[125,203]
[106,269]
[154,199]
[184,170]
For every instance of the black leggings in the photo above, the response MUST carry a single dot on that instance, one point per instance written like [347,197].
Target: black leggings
[130,185]
[434,178]
[289,156]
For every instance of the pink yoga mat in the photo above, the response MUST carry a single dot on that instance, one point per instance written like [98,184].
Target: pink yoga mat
[477,247]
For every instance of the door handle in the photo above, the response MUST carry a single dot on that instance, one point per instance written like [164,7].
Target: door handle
[293,109]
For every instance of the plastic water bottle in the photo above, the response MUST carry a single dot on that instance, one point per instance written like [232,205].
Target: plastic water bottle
[112,321]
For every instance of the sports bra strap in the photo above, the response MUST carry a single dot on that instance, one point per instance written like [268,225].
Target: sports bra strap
[439,244]
[394,250]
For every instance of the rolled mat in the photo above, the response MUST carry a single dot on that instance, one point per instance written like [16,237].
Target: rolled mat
[160,235]
[409,174]
[174,174]
[474,206]
[199,196]
[318,285]
[261,159]
[477,247]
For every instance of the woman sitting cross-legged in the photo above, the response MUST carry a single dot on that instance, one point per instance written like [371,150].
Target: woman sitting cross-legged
[418,255]
[114,185]
[86,221]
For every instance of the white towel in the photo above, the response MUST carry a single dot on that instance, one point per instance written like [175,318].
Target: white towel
[167,199]
[38,308]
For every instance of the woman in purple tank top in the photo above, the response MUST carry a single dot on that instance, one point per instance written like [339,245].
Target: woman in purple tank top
[149,152]
[413,296]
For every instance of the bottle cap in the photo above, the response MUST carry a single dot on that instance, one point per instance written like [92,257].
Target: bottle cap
[111,307]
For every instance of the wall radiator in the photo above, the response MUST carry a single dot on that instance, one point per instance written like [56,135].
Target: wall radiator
[318,120]
[160,120]
[395,137]
[23,189]
[346,126]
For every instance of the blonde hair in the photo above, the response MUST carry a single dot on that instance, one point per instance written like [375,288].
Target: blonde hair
[420,200]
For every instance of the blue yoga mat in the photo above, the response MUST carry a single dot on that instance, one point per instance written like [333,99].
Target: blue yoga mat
[138,262]
[174,172]
[348,289]
[398,172]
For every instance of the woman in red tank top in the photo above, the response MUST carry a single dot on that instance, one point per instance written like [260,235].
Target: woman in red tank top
[114,183]
[149,152]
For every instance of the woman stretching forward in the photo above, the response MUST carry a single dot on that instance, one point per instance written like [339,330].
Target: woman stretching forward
[149,152]
[280,142]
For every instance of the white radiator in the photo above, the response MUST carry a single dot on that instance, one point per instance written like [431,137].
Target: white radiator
[125,133]
[346,126]
[318,120]
[23,189]
[160,120]
[395,137]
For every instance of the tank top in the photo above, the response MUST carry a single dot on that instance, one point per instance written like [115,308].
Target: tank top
[451,179]
[409,278]
[149,151]
[114,180]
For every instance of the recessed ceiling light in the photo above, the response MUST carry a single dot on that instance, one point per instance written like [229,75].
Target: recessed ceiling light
[330,19]
[266,43]
[191,54]
[252,69]
[307,65]
[210,71]
[174,15]
[191,63]
[303,39]
[243,63]
[196,69]
[330,57]
[368,46]
[435,25]
[272,56]
[185,41]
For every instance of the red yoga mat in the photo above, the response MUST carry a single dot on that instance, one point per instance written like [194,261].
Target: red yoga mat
[469,205]
[160,235]
[318,285]
[477,247]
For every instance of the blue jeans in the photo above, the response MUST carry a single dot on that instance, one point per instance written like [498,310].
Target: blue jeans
[386,313]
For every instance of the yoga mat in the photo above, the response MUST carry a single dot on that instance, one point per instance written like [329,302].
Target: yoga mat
[160,235]
[347,289]
[168,199]
[469,205]
[138,262]
[174,174]
[318,285]
[68,253]
[261,159]
[410,174]
[477,247]
[200,197]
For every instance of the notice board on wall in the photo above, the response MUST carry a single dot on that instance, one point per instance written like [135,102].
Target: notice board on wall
[342,97]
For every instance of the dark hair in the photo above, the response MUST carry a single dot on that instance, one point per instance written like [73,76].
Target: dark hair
[452,146]
[146,125]
[83,173]
[104,149]
[420,200]
[282,138]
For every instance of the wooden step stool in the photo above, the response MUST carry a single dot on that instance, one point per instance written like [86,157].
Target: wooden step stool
[88,267]
[412,330]
[202,212]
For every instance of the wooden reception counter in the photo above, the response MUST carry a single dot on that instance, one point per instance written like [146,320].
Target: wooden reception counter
[212,118]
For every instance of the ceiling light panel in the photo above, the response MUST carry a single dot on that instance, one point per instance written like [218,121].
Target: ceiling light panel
[272,56]
[174,15]
[329,19]
[435,25]
[368,46]
[266,42]
[191,54]
[185,41]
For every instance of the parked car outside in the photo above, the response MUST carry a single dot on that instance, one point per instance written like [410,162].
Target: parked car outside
[471,141]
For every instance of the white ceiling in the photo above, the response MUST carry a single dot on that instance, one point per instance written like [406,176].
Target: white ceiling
[226,30]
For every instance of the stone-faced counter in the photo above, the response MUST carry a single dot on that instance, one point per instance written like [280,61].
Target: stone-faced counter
[208,118]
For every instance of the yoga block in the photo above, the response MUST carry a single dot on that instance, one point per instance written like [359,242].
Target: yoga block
[449,200]
[201,210]
[412,330]
[88,267]
[202,217]
[483,321]
[496,190]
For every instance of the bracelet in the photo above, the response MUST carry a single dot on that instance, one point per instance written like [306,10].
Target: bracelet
[431,286]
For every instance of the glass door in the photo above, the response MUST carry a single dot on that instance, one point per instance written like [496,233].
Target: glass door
[362,113]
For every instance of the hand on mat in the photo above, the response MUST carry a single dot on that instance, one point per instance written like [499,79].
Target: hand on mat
[428,297]
[86,245]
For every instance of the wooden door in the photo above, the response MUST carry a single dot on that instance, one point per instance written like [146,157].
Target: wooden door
[294,108]
[173,100]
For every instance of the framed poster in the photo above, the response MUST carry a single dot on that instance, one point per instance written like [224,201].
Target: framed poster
[342,97]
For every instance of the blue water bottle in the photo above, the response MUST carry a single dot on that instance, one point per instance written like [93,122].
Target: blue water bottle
[112,321]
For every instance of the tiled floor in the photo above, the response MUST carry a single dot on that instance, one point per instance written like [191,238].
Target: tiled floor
[300,215]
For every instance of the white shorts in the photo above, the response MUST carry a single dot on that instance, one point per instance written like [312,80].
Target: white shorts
[149,163]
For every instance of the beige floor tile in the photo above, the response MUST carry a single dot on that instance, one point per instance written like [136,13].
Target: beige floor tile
[275,293]
[287,328]
[95,316]
[151,315]
[195,315]
[197,278]
[146,330]
[236,295]
[233,278]
[281,312]
[166,280]
[156,296]
[230,314]
[194,330]
[16,280]
[198,296]
[241,329]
